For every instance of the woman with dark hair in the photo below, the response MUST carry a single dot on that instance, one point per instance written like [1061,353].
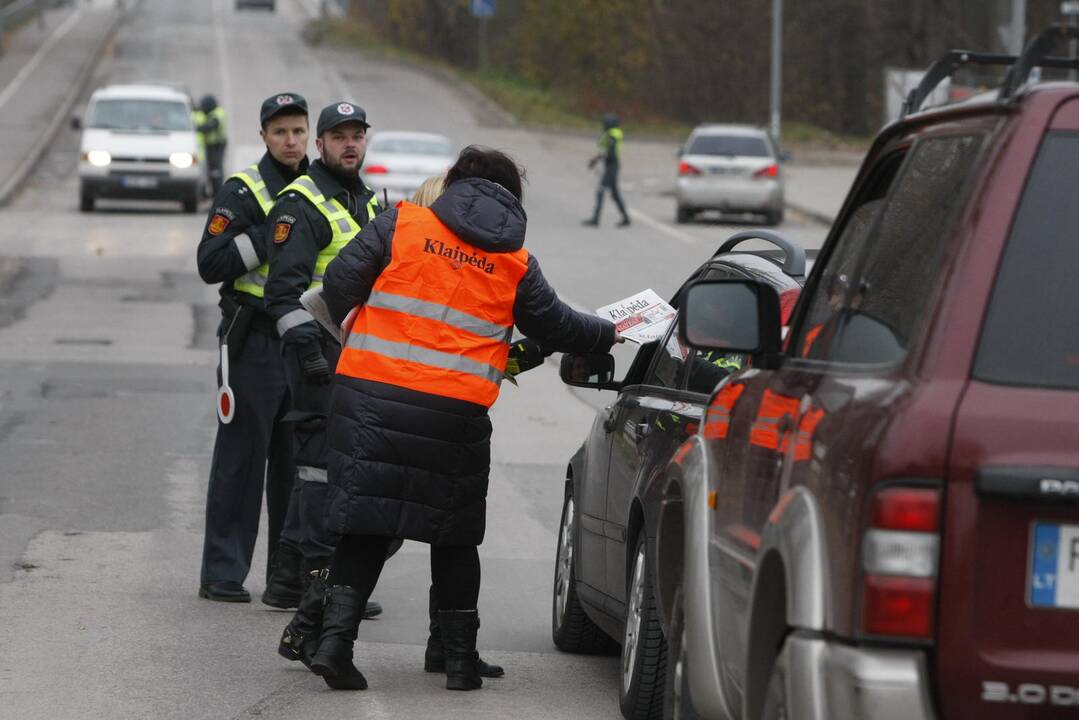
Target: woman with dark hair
[440,290]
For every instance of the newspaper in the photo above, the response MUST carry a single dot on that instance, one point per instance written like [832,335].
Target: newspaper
[640,318]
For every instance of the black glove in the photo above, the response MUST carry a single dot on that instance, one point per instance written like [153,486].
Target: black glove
[524,355]
[313,363]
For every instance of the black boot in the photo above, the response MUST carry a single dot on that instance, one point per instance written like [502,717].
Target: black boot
[459,628]
[300,639]
[434,658]
[284,589]
[340,621]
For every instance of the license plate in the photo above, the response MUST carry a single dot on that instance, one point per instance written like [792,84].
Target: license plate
[134,181]
[1054,566]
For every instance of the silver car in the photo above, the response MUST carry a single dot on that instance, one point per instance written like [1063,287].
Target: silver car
[397,162]
[732,169]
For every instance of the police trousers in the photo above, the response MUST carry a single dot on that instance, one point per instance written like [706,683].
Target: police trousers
[251,452]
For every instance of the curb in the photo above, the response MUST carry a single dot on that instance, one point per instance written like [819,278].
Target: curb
[814,215]
[14,181]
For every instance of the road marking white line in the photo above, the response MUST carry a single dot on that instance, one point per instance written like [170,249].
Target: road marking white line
[26,69]
[663,228]
[223,64]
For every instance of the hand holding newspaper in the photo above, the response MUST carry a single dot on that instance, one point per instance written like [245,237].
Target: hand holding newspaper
[640,318]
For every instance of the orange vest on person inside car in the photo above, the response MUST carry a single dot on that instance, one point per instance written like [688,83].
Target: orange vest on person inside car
[440,315]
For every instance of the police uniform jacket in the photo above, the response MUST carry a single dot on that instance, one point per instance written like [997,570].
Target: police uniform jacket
[414,465]
[298,232]
[235,240]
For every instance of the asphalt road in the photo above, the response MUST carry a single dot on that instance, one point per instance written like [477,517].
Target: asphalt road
[106,414]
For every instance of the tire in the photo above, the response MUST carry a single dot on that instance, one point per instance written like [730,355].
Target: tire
[572,630]
[677,704]
[683,215]
[86,200]
[644,650]
[191,203]
[775,695]
[773,217]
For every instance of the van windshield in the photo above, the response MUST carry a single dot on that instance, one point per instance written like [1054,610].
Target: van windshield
[139,116]
[734,145]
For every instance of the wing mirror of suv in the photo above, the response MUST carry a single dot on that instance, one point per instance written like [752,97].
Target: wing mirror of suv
[738,316]
[76,123]
[785,156]
[590,371]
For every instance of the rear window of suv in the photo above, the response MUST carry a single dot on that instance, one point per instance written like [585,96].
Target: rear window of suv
[1030,336]
[728,145]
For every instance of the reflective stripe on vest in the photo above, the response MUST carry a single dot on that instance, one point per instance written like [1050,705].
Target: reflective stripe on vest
[254,282]
[440,315]
[342,224]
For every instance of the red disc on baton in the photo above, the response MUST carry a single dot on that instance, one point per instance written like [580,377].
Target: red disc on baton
[226,404]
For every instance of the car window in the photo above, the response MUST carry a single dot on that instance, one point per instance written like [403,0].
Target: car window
[1029,335]
[668,368]
[135,115]
[728,145]
[706,368]
[875,307]
[410,146]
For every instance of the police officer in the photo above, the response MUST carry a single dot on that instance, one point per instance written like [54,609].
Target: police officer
[210,126]
[234,251]
[610,152]
[314,218]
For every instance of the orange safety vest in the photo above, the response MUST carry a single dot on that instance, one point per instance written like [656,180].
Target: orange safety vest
[440,315]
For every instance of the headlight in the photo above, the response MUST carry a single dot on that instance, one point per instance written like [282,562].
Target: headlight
[181,160]
[98,158]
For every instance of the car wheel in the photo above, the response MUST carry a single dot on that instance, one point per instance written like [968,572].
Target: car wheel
[191,203]
[86,201]
[775,696]
[774,217]
[677,704]
[573,631]
[644,651]
[683,215]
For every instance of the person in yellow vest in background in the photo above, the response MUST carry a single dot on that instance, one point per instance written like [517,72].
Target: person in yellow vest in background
[610,153]
[234,251]
[210,126]
[314,217]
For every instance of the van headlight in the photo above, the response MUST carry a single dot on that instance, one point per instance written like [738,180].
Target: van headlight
[181,160]
[98,158]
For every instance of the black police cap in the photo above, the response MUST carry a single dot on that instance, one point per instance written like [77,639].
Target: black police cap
[278,103]
[339,114]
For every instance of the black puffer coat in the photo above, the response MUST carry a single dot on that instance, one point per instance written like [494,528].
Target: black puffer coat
[413,465]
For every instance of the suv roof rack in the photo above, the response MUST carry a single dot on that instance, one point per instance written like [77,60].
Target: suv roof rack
[1034,55]
[794,256]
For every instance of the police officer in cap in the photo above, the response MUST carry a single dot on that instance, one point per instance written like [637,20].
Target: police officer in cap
[314,218]
[234,252]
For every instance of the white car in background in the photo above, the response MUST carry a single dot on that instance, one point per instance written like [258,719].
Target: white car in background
[139,142]
[398,162]
[732,169]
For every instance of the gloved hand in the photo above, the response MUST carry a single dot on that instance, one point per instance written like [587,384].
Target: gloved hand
[592,162]
[313,363]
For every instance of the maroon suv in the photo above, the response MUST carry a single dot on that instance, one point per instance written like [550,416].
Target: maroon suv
[880,518]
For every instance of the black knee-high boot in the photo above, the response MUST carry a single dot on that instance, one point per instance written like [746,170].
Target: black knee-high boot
[459,628]
[300,639]
[434,658]
[340,622]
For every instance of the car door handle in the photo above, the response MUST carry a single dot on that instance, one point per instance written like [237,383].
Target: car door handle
[608,419]
[643,429]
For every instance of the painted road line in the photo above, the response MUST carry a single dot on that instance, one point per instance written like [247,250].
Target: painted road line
[662,227]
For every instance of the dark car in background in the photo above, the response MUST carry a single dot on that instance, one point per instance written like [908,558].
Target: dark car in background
[603,588]
[880,520]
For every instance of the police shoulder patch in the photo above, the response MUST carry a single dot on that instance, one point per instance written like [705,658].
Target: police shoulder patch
[218,224]
[281,230]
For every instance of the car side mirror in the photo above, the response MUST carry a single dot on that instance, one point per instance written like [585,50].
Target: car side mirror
[785,156]
[590,371]
[732,316]
[76,123]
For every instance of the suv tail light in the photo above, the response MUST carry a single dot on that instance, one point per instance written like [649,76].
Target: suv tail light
[685,168]
[767,172]
[900,552]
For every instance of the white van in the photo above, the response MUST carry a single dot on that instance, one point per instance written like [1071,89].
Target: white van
[139,142]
